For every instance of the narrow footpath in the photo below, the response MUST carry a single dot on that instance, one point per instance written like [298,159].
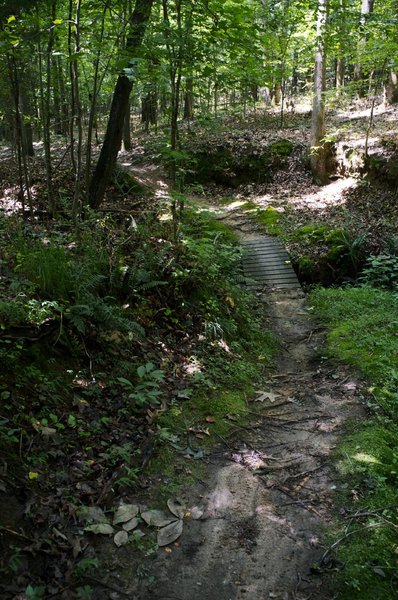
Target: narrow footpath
[269,490]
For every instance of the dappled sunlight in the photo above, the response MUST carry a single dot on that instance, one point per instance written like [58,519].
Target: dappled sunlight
[329,195]
[364,457]
[9,205]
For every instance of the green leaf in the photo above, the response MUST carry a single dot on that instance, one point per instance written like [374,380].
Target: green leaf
[125,381]
[141,371]
[11,19]
[58,21]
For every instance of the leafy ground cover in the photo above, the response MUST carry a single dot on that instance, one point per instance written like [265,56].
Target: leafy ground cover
[363,325]
[122,346]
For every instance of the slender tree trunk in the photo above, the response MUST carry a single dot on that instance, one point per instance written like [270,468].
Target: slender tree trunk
[277,93]
[27,130]
[113,136]
[58,125]
[64,96]
[79,116]
[72,88]
[188,100]
[319,151]
[94,98]
[45,95]
[340,73]
[342,42]
[366,10]
[23,173]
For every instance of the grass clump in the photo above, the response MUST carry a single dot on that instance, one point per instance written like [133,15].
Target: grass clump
[364,327]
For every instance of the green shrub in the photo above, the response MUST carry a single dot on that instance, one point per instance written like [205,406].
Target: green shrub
[381,271]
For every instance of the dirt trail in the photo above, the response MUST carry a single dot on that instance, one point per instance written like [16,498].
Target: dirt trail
[268,492]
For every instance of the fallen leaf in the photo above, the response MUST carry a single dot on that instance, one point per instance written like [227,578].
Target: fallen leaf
[176,508]
[33,475]
[169,534]
[125,513]
[47,431]
[121,538]
[92,514]
[130,525]
[210,420]
[102,528]
[137,535]
[157,518]
[196,512]
[266,396]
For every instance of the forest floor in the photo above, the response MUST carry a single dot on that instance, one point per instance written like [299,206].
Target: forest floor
[254,525]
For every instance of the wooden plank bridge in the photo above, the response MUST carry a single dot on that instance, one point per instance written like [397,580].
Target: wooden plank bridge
[267,264]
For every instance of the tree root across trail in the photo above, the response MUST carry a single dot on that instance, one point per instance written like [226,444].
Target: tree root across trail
[269,492]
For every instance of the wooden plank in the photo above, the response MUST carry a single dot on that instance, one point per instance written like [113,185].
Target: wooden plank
[267,264]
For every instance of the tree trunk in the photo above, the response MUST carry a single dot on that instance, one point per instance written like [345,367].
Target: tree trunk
[113,136]
[64,96]
[340,72]
[366,10]
[342,44]
[319,151]
[391,89]
[27,130]
[188,100]
[277,93]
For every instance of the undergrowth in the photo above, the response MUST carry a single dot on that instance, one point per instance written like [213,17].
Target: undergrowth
[124,351]
[363,325]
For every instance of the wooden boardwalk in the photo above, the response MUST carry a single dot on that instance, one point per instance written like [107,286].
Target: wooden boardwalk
[267,264]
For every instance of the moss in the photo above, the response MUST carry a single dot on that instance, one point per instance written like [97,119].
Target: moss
[363,325]
[336,241]
[310,233]
[249,205]
[269,219]
[305,265]
[282,147]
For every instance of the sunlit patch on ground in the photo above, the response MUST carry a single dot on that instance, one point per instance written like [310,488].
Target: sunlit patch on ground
[329,195]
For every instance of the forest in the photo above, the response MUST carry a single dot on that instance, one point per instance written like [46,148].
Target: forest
[199,299]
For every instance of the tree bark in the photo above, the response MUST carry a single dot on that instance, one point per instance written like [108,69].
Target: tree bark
[26,118]
[188,99]
[113,136]
[391,89]
[319,150]
[366,10]
[340,72]
[126,130]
